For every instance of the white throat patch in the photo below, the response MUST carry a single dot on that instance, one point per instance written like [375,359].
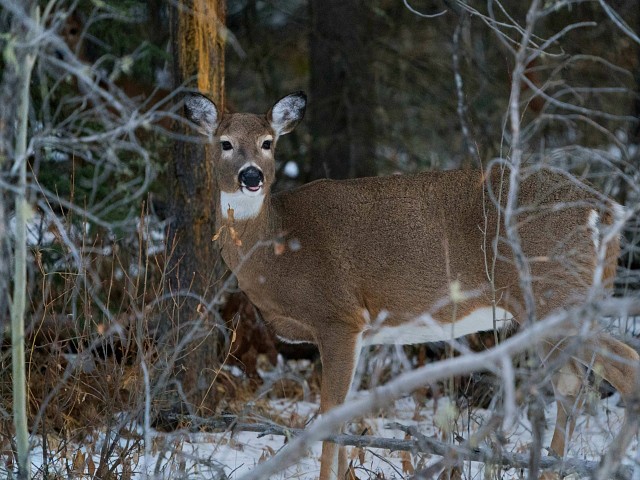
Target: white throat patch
[245,204]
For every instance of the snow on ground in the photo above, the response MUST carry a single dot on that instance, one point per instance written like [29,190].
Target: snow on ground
[242,451]
[206,455]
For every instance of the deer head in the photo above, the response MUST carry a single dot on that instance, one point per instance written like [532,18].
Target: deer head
[244,157]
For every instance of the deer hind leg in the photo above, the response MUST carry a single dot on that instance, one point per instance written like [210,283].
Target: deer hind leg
[620,366]
[339,353]
[615,361]
[567,385]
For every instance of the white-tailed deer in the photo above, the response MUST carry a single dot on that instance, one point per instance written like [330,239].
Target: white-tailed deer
[324,261]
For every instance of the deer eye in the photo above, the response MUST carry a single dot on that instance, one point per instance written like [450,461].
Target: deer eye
[226,145]
[266,145]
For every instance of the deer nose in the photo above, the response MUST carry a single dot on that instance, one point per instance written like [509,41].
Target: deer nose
[251,177]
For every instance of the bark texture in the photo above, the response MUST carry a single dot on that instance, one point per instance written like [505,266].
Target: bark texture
[194,268]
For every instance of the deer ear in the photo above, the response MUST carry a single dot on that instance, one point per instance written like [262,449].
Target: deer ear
[203,112]
[287,112]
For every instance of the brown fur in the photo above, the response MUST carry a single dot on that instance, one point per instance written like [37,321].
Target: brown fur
[316,258]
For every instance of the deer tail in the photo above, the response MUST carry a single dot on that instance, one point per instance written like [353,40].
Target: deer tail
[613,213]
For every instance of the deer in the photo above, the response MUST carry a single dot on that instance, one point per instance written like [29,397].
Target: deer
[346,264]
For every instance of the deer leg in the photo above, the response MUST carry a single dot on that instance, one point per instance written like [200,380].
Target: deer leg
[619,364]
[567,383]
[339,353]
[615,361]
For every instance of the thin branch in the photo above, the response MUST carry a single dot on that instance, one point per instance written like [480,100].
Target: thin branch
[462,107]
[619,22]
[420,14]
[511,228]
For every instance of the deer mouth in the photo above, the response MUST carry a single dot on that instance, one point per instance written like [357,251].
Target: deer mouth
[251,189]
[251,180]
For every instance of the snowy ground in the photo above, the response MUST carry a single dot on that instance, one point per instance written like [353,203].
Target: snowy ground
[242,451]
[231,455]
[206,455]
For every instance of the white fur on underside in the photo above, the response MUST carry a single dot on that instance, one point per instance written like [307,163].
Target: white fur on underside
[428,330]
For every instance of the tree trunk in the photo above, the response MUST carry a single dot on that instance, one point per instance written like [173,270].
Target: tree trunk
[342,90]
[194,266]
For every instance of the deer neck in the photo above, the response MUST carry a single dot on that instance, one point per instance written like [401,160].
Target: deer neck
[243,222]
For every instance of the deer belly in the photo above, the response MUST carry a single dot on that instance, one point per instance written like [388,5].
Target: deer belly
[426,329]
[289,330]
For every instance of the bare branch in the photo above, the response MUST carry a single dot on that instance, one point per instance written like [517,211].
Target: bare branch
[420,14]
[619,22]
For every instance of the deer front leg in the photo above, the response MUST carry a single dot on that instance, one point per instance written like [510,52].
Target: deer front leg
[339,353]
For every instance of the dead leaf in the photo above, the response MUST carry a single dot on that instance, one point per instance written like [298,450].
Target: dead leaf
[157,444]
[131,382]
[407,464]
[548,475]
[53,442]
[278,248]
[357,453]
[127,471]
[452,473]
[267,452]
[217,234]
[351,473]
[235,237]
[78,463]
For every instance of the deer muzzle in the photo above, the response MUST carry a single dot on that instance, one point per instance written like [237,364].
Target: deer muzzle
[251,178]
